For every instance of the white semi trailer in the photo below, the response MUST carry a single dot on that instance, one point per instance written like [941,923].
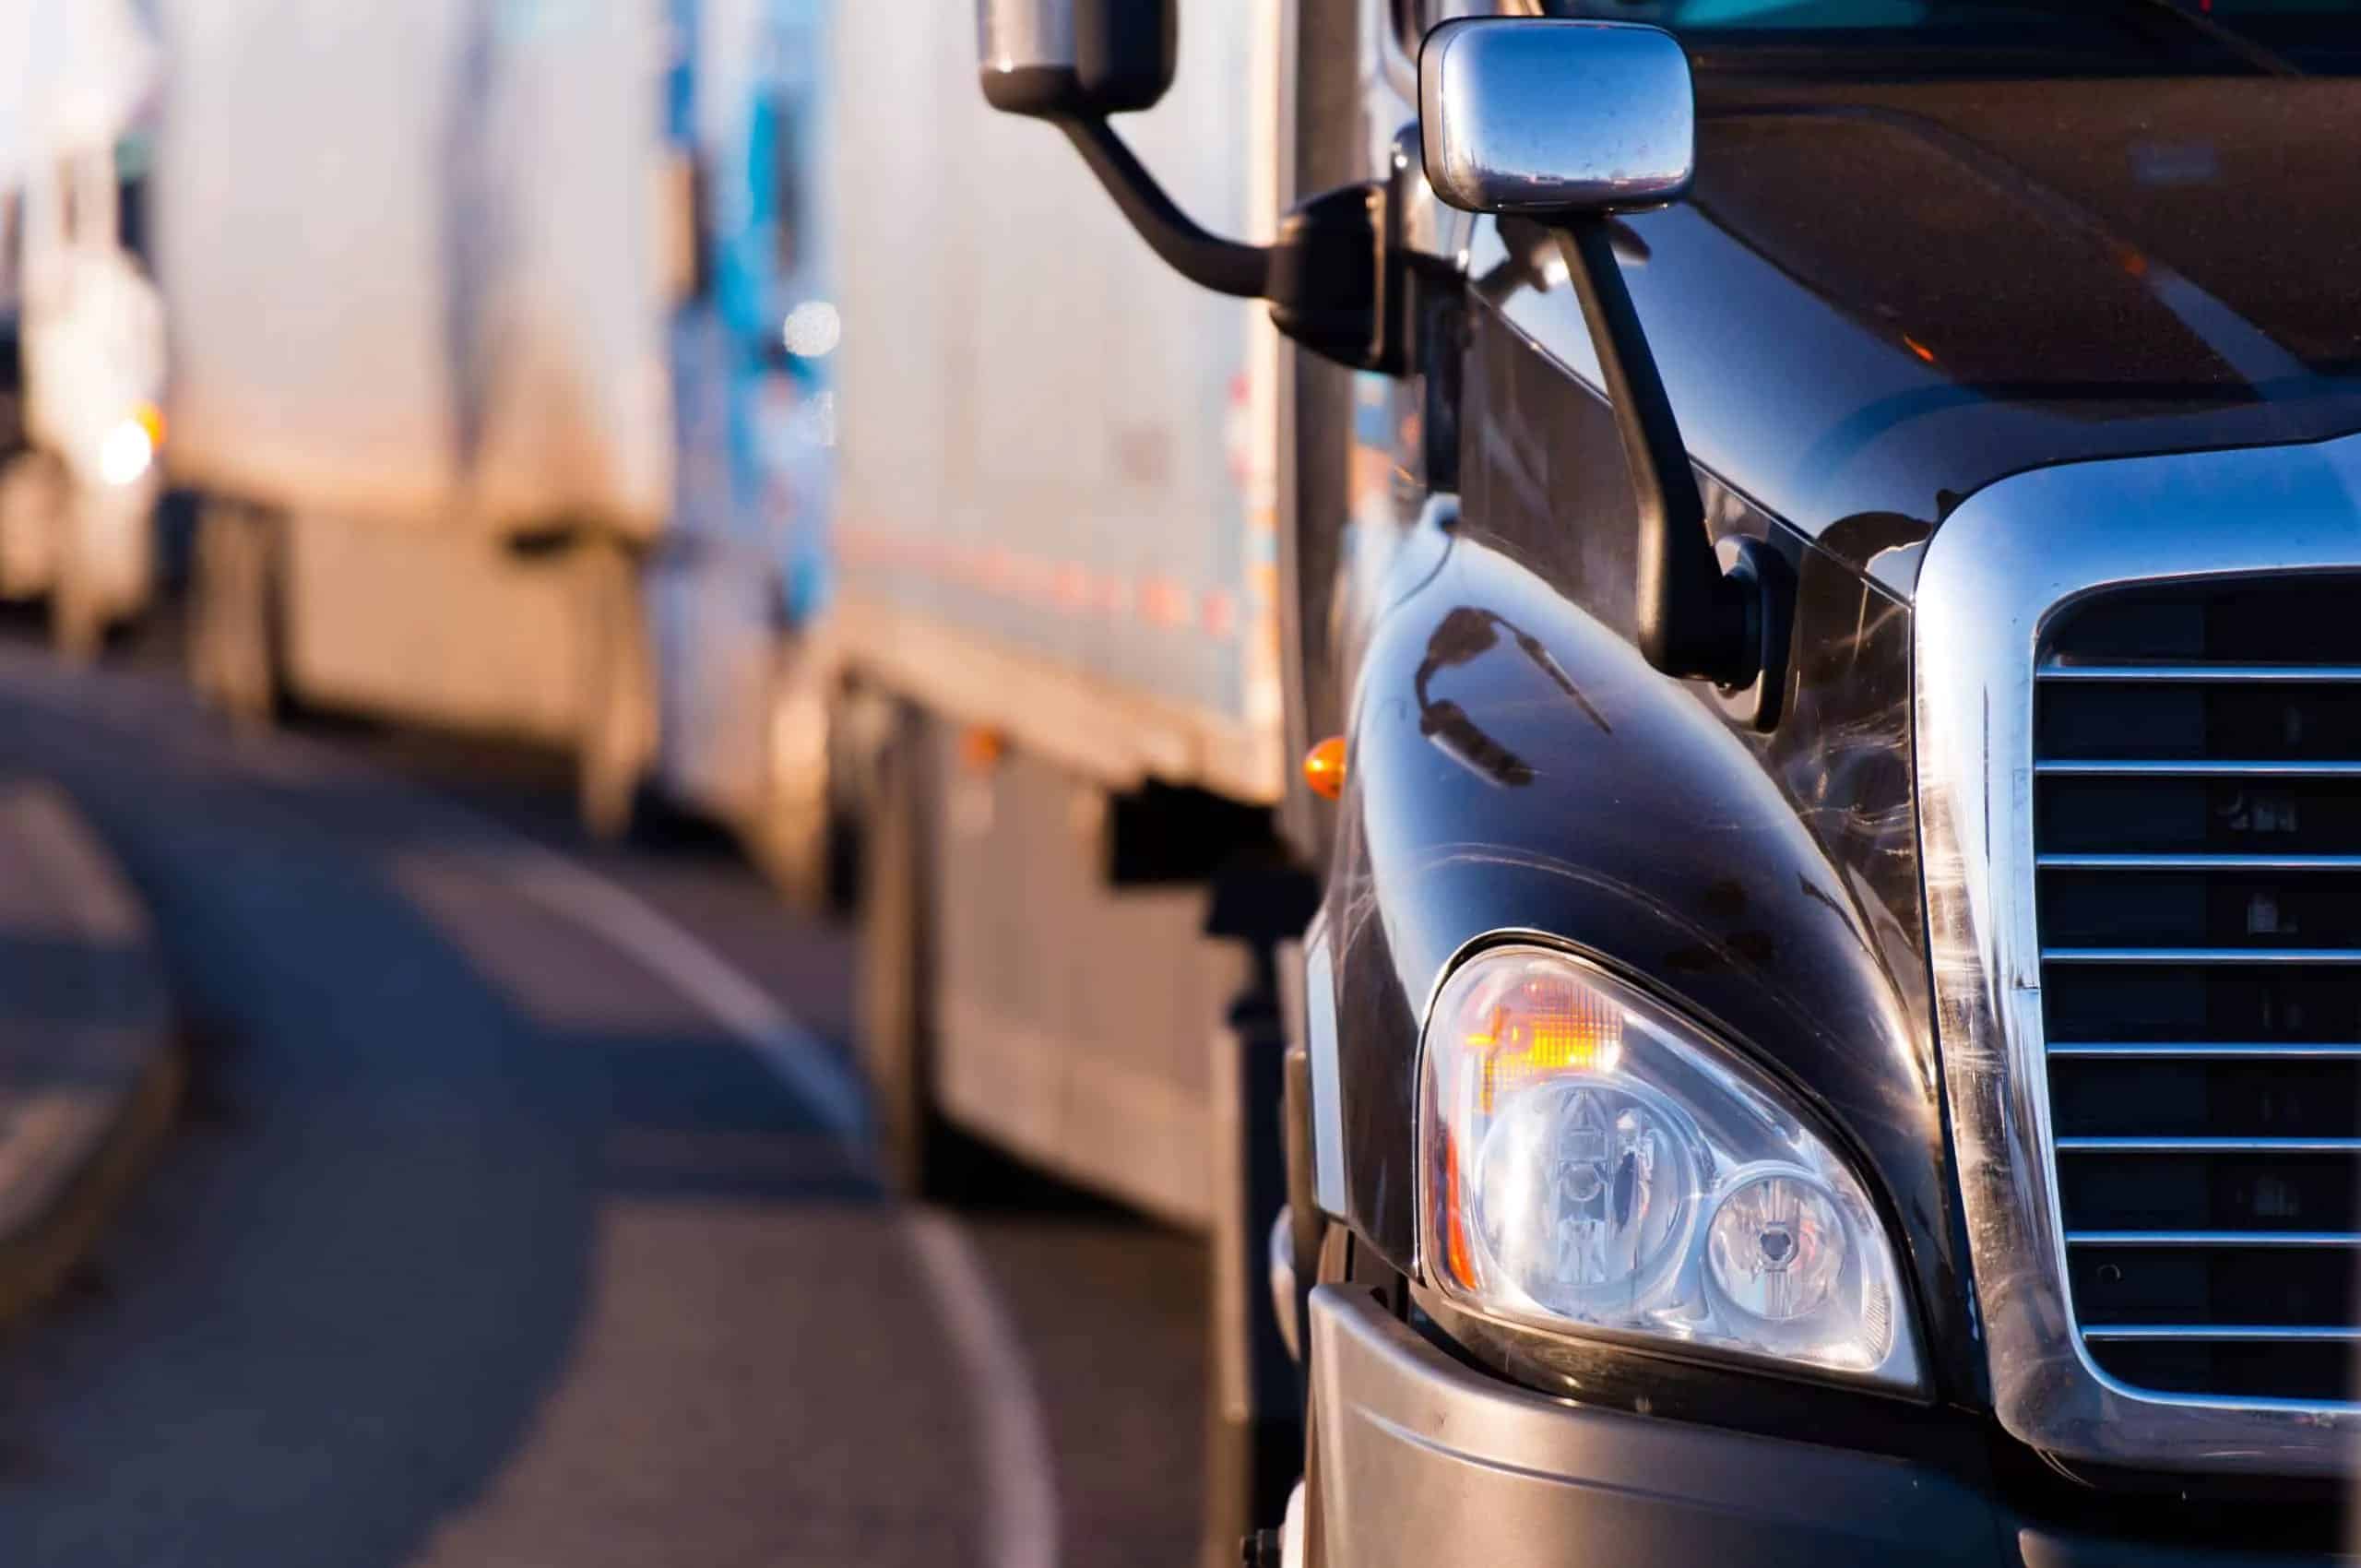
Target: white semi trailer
[482,311]
[1057,621]
[420,261]
[1056,562]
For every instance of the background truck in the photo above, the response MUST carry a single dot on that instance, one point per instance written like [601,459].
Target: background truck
[1056,632]
[438,468]
[79,483]
[1056,562]
[740,737]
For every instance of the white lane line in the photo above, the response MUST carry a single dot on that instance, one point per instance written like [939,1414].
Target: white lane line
[817,1075]
[72,868]
[1012,1432]
[1013,1440]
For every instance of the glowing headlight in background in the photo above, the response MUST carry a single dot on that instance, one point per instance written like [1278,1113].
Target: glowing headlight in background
[127,450]
[813,330]
[1591,1161]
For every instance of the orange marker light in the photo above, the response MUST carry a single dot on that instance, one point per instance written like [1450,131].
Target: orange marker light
[1323,768]
[1457,1255]
[981,748]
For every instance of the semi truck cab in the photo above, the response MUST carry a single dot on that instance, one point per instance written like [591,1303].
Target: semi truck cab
[1834,1030]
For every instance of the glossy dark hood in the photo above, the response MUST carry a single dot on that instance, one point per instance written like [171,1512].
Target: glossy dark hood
[1879,299]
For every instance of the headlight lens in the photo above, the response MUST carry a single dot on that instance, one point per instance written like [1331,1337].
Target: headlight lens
[1591,1162]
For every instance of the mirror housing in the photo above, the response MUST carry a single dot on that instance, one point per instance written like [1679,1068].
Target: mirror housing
[1074,59]
[1547,118]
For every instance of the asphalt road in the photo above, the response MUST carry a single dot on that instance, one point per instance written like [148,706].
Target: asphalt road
[511,1222]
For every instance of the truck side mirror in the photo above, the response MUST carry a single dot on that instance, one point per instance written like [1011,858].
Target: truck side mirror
[1075,58]
[1547,119]
[1567,122]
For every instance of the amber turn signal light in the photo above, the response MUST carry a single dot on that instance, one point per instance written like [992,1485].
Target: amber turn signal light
[1323,768]
[981,748]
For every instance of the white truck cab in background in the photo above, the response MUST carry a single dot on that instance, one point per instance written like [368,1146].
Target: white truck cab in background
[78,495]
[487,436]
[419,279]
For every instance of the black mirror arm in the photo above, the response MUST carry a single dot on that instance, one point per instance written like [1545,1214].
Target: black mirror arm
[1695,622]
[1333,280]
[1208,260]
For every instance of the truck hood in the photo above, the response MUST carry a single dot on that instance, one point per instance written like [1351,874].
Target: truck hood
[1882,298]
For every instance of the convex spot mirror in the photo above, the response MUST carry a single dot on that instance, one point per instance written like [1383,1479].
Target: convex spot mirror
[1073,59]
[1552,117]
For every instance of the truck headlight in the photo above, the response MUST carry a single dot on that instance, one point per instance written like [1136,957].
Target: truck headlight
[1591,1163]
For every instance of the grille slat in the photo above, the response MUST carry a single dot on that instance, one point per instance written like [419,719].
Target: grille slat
[2197,753]
[2216,1331]
[2193,768]
[2125,863]
[2201,955]
[2208,1145]
[2205,674]
[2214,1239]
[2209,1050]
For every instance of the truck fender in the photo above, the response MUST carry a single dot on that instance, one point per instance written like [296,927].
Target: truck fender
[1517,769]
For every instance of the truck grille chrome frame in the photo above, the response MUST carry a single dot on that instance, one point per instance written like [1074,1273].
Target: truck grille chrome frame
[1994,582]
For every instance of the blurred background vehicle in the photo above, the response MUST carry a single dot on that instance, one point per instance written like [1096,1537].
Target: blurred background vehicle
[81,475]
[1054,646]
[1055,614]
[438,457]
[746,566]
[582,497]
[504,386]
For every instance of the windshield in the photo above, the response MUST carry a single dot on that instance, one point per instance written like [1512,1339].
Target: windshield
[2013,37]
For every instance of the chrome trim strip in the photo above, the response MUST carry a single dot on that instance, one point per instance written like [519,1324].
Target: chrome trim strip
[2193,956]
[2209,1146]
[1430,226]
[2225,1051]
[2200,862]
[2007,560]
[1390,80]
[2236,1332]
[2195,767]
[2206,674]
[2302,1238]
[1327,1092]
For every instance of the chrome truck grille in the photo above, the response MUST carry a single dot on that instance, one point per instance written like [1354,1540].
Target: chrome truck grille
[2139,753]
[2197,833]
